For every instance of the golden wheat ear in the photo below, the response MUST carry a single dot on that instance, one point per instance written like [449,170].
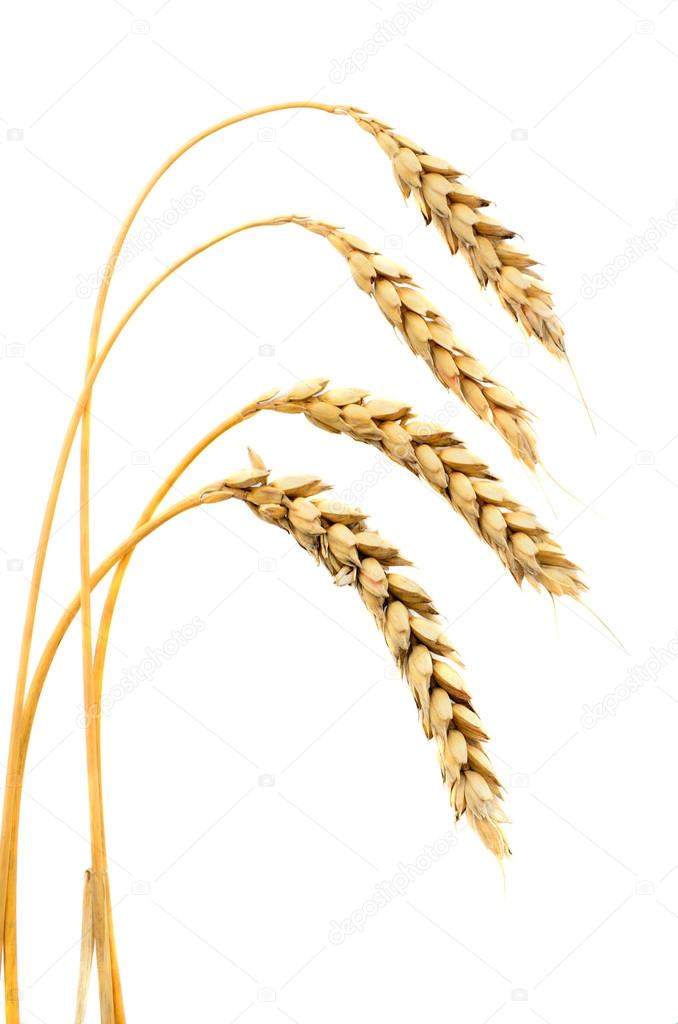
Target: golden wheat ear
[437,456]
[456,211]
[338,537]
[429,335]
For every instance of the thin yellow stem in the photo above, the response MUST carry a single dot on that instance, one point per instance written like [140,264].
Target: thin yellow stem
[71,610]
[68,615]
[163,490]
[100,916]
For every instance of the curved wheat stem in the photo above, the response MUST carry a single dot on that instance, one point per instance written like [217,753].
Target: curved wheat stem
[434,454]
[434,185]
[429,335]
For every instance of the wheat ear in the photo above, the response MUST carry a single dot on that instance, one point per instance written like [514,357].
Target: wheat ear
[429,335]
[434,454]
[338,538]
[434,185]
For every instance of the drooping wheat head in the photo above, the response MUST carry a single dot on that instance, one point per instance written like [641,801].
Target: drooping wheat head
[437,456]
[456,211]
[338,538]
[430,336]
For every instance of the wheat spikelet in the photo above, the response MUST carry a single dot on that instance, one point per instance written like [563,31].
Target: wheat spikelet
[434,185]
[437,456]
[430,336]
[338,538]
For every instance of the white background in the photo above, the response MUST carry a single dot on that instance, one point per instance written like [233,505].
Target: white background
[266,778]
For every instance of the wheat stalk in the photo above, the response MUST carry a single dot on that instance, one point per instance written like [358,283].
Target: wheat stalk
[434,185]
[434,454]
[338,538]
[429,335]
